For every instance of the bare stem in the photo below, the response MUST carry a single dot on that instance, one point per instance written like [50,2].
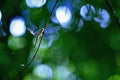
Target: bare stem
[51,13]
[116,18]
[27,65]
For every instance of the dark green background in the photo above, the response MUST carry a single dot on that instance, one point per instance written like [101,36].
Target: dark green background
[94,52]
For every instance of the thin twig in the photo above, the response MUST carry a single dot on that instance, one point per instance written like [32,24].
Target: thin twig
[116,18]
[27,65]
[21,72]
[51,14]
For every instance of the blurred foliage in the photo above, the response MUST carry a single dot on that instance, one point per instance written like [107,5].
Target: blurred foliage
[93,53]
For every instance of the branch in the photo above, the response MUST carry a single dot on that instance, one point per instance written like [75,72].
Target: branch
[51,14]
[116,18]
[27,65]
[41,36]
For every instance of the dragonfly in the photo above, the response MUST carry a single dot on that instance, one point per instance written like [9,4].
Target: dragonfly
[50,33]
[36,32]
[39,35]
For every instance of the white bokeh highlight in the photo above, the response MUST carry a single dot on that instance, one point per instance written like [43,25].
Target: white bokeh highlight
[43,71]
[63,14]
[17,26]
[35,3]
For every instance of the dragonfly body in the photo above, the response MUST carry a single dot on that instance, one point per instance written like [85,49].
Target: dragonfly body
[39,35]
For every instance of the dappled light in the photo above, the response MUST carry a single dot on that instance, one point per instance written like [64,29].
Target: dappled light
[44,44]
[64,16]
[87,11]
[114,77]
[0,17]
[59,40]
[118,59]
[13,43]
[43,71]
[54,19]
[89,69]
[103,18]
[17,26]
[66,75]
[2,32]
[35,3]
[80,24]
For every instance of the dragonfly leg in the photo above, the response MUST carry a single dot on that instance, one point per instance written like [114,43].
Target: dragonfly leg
[36,41]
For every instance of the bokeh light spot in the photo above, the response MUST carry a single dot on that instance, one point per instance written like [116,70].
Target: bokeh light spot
[16,43]
[118,59]
[114,77]
[89,69]
[0,18]
[87,12]
[28,77]
[17,26]
[63,15]
[54,19]
[63,73]
[35,3]
[0,15]
[2,32]
[43,71]
[103,18]
[44,43]
[80,25]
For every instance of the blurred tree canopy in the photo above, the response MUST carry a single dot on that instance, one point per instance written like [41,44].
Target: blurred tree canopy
[87,48]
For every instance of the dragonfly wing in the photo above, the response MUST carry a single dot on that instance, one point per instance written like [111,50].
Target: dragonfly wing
[51,30]
[32,28]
